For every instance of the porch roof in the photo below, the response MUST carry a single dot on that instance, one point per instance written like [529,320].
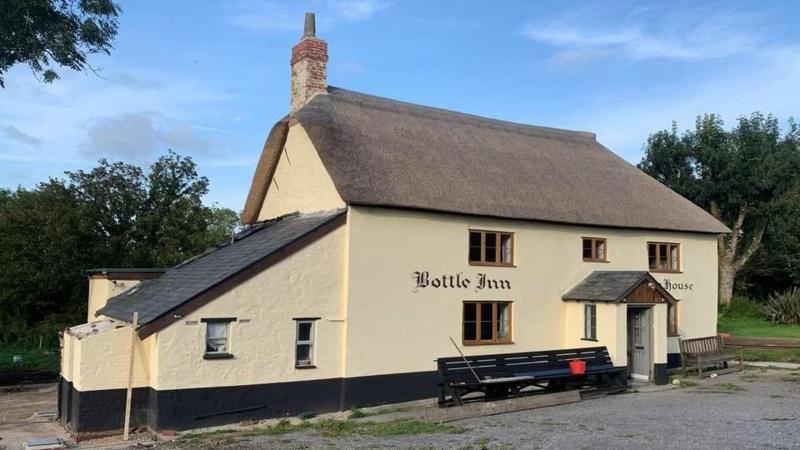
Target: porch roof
[615,287]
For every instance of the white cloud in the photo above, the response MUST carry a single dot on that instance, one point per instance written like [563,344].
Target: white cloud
[15,134]
[687,35]
[136,136]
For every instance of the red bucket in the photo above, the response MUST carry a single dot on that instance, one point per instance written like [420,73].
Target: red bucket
[577,367]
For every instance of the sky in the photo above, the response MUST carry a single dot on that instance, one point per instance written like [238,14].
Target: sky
[209,79]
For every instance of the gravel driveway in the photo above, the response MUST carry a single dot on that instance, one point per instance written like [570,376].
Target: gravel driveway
[760,409]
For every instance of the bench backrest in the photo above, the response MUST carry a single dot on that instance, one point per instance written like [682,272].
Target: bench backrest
[455,369]
[702,346]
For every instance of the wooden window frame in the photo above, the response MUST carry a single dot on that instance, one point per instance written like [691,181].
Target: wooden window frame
[498,251]
[672,327]
[592,336]
[495,320]
[594,257]
[656,269]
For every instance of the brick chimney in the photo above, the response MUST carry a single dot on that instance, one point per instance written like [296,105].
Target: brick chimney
[309,66]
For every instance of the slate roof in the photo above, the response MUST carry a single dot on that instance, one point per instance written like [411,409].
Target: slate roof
[606,286]
[384,152]
[156,297]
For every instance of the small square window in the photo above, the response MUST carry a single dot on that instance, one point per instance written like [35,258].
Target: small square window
[304,343]
[594,249]
[217,338]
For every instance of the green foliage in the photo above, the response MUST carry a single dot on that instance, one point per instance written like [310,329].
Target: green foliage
[41,33]
[791,356]
[742,307]
[784,307]
[748,177]
[32,358]
[116,215]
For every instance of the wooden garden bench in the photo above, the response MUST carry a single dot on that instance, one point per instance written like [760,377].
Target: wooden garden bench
[506,375]
[701,352]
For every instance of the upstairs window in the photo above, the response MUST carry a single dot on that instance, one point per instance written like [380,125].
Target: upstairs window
[594,250]
[304,343]
[491,248]
[664,256]
[217,338]
[590,322]
[486,323]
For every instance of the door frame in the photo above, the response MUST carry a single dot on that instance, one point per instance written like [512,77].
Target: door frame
[648,313]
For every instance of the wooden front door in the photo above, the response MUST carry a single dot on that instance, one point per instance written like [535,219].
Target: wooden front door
[640,342]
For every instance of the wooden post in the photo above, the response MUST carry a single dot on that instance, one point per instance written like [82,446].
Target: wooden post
[129,394]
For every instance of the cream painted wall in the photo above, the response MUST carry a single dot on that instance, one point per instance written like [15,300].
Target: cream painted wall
[301,182]
[393,329]
[101,360]
[67,356]
[611,329]
[101,289]
[309,283]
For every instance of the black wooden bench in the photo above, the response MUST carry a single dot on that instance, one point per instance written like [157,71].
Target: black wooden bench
[699,353]
[508,374]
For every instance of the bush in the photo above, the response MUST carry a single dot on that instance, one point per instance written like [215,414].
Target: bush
[783,307]
[742,307]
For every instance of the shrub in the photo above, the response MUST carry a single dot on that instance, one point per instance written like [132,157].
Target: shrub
[742,307]
[783,307]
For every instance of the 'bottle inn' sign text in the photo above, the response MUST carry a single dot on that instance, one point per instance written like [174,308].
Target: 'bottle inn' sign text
[424,280]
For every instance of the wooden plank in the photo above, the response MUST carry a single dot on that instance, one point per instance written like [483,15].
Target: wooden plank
[480,409]
[129,394]
[756,342]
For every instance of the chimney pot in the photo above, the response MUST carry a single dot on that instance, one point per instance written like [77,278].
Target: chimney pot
[310,29]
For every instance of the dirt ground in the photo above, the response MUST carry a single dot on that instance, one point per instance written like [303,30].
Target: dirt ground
[24,415]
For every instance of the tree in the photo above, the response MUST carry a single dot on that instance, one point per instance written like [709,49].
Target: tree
[115,215]
[41,33]
[744,177]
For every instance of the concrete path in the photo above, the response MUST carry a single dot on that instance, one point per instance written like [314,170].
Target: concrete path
[774,365]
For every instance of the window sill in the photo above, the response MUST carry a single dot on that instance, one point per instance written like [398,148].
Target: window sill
[307,366]
[590,340]
[673,335]
[595,260]
[471,263]
[486,343]
[217,356]
[665,271]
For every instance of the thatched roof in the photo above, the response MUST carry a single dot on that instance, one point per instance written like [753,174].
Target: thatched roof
[388,153]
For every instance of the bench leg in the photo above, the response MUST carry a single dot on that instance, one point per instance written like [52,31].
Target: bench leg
[683,365]
[700,366]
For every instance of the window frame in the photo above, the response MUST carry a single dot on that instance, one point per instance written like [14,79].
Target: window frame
[590,326]
[495,322]
[311,342]
[498,248]
[669,245]
[227,354]
[594,257]
[672,326]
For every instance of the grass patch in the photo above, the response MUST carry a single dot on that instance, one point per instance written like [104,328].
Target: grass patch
[32,358]
[755,327]
[788,355]
[328,428]
[728,387]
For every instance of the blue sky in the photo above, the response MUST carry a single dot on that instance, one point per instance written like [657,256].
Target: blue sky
[209,78]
